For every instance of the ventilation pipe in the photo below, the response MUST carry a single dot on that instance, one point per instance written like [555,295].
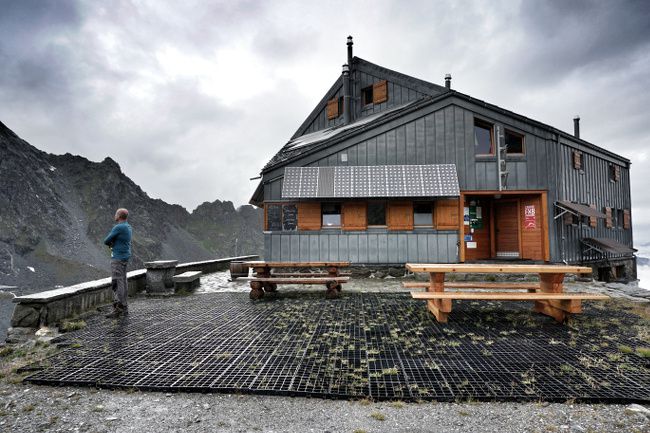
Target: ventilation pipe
[347,99]
[350,43]
[448,81]
[346,94]
[576,126]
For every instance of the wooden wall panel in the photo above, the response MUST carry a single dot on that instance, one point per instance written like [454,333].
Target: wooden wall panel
[532,246]
[400,215]
[309,216]
[354,216]
[446,214]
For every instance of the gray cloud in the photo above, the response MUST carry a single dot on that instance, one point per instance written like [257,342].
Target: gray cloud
[192,98]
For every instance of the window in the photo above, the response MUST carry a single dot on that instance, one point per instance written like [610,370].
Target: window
[614,172]
[331,213]
[366,95]
[423,214]
[281,217]
[340,104]
[483,138]
[620,218]
[514,142]
[376,214]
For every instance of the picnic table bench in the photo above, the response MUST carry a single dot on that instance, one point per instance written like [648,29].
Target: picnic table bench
[548,294]
[266,280]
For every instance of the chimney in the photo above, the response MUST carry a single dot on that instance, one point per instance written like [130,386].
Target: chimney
[448,81]
[350,43]
[576,126]
[346,93]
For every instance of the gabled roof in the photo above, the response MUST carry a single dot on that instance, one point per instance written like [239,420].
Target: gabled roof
[361,65]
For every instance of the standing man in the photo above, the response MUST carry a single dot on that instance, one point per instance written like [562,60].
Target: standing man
[119,240]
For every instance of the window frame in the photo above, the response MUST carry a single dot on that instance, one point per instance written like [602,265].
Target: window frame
[485,125]
[322,215]
[431,205]
[368,90]
[507,131]
[370,203]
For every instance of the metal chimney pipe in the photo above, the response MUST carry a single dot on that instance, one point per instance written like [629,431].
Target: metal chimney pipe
[448,81]
[350,43]
[576,126]
[346,94]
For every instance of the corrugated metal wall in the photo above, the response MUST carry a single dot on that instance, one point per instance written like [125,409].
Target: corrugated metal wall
[446,135]
[363,247]
[591,185]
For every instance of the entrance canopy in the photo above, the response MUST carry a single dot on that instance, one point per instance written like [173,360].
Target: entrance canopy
[578,209]
[433,180]
[607,246]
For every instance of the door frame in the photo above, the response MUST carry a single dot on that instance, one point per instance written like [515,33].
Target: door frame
[545,215]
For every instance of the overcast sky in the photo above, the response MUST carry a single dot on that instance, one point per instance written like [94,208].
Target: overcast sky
[192,98]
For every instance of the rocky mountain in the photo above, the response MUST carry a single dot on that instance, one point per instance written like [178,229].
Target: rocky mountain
[56,209]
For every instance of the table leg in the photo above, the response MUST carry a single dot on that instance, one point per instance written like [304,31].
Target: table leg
[333,271]
[256,290]
[440,308]
[557,309]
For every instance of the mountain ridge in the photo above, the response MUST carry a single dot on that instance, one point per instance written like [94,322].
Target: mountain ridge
[56,210]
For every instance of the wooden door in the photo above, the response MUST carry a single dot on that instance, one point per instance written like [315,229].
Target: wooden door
[506,227]
[532,228]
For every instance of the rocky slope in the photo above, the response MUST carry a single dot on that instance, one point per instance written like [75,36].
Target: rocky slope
[56,209]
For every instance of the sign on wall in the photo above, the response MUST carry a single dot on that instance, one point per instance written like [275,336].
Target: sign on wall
[530,218]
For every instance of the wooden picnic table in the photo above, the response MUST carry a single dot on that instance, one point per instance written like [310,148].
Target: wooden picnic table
[548,294]
[266,280]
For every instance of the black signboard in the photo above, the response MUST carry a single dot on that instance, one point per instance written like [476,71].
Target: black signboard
[274,217]
[289,216]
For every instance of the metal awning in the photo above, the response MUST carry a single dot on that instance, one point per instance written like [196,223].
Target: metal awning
[434,180]
[607,246]
[577,209]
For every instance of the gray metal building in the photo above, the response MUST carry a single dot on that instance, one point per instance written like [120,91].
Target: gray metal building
[389,169]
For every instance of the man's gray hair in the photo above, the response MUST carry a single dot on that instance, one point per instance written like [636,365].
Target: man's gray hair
[122,213]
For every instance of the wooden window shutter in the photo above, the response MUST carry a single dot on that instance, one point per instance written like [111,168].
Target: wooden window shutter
[446,214]
[354,216]
[608,217]
[626,218]
[577,160]
[593,221]
[309,217]
[400,215]
[380,92]
[617,173]
[332,108]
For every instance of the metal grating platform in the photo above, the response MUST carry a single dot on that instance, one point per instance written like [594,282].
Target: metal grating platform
[383,346]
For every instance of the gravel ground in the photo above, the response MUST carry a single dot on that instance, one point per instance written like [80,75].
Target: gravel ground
[31,409]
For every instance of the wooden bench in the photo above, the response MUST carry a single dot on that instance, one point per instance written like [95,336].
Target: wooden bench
[187,281]
[530,286]
[266,279]
[548,294]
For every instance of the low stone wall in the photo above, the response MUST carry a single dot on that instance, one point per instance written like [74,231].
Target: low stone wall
[52,306]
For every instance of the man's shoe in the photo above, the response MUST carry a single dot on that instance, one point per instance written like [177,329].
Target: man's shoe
[115,314]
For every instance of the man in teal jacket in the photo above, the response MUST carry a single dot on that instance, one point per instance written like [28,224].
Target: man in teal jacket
[119,240]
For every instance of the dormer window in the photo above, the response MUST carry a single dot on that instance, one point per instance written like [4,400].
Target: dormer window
[375,94]
[366,95]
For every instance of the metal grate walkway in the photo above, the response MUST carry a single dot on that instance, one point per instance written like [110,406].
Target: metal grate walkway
[382,346]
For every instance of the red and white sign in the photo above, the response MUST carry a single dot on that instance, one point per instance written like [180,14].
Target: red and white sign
[530,220]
